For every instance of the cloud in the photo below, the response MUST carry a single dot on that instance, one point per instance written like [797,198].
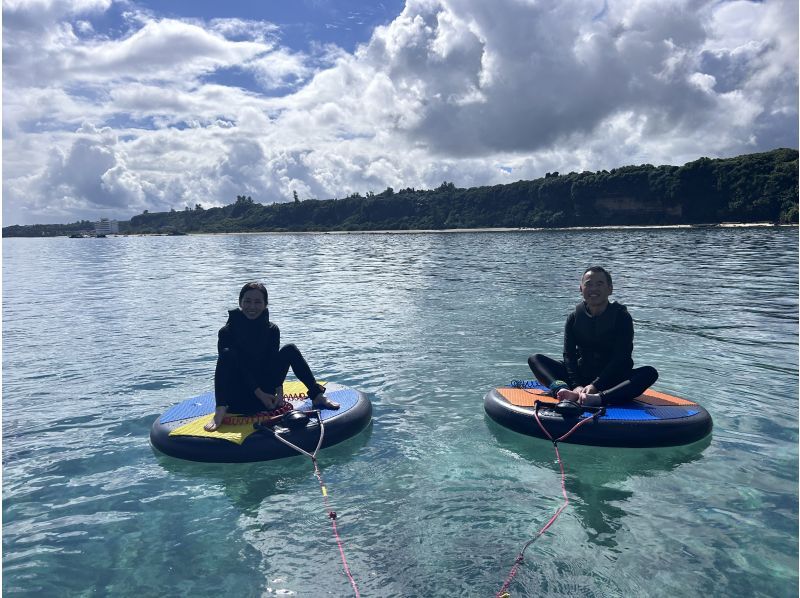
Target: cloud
[280,68]
[166,50]
[245,30]
[168,112]
[541,73]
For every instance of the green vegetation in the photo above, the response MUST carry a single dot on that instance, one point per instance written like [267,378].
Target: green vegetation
[50,230]
[752,188]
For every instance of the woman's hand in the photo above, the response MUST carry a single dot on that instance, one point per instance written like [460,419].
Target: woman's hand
[270,402]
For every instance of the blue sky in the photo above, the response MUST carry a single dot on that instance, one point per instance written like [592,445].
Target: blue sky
[114,107]
[300,24]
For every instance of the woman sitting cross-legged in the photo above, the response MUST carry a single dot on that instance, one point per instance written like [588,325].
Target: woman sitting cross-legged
[252,366]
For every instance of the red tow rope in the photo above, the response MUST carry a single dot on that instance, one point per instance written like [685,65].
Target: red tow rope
[332,517]
[318,474]
[503,592]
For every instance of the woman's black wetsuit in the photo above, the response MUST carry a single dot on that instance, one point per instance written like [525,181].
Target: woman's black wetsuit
[250,357]
[597,350]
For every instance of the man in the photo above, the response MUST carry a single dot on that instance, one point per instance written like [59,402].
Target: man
[598,345]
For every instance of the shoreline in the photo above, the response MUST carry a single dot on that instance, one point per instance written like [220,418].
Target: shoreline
[503,229]
[621,227]
[560,229]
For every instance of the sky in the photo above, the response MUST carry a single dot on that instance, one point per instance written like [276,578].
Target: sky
[113,107]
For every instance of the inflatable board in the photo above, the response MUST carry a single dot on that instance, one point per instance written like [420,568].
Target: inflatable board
[179,431]
[651,420]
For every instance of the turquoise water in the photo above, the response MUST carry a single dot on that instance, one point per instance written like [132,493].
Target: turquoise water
[100,336]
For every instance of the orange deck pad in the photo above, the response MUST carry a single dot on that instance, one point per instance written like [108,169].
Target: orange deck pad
[526,397]
[653,397]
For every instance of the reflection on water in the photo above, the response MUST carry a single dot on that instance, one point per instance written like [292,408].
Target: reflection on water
[433,499]
[248,485]
[596,478]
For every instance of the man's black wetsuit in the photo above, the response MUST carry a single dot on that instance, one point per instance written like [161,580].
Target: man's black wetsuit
[250,357]
[597,350]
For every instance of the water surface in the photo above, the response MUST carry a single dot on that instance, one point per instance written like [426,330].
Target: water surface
[100,336]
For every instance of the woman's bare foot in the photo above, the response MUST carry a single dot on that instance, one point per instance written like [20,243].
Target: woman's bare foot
[280,401]
[323,402]
[216,422]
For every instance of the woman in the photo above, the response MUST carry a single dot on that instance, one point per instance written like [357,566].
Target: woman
[252,366]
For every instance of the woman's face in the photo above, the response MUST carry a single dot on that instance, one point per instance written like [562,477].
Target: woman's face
[252,304]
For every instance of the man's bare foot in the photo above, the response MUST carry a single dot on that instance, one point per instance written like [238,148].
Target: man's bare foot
[323,402]
[566,394]
[211,426]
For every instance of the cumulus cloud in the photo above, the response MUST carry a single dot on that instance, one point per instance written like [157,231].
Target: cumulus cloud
[166,50]
[169,112]
[280,68]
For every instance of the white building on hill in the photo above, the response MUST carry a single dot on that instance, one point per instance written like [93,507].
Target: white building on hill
[106,227]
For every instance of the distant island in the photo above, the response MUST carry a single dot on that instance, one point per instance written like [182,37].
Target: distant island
[751,188]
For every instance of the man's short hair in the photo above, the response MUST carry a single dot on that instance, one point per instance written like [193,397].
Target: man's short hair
[598,269]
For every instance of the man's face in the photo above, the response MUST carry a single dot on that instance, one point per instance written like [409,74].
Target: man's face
[595,289]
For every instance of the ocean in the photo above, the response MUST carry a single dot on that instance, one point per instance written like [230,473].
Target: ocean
[100,336]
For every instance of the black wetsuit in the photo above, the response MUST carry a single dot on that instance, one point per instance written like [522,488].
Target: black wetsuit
[597,350]
[250,357]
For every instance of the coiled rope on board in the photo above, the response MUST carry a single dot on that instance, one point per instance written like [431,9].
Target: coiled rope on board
[263,417]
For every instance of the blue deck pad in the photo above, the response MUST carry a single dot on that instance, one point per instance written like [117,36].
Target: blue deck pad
[648,413]
[347,398]
[672,412]
[194,407]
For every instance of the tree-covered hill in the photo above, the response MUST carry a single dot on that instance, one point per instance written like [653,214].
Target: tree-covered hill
[751,188]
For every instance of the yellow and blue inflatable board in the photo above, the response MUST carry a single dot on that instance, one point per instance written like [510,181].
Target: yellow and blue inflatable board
[179,431]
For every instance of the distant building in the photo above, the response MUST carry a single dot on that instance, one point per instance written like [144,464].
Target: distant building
[106,227]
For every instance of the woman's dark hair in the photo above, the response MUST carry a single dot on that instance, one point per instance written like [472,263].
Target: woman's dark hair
[254,286]
[595,269]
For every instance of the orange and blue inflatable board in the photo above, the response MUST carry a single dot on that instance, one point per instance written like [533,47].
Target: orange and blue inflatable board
[651,420]
[179,431]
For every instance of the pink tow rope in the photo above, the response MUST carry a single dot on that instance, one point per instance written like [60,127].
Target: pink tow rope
[503,592]
[331,514]
[332,517]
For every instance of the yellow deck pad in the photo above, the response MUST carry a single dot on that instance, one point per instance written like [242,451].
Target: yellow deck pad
[292,390]
[234,433]
[527,397]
